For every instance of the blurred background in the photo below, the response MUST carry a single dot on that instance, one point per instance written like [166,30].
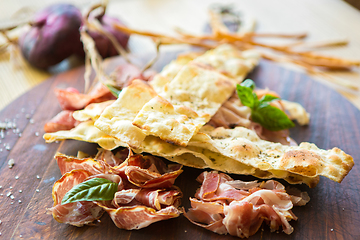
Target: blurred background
[323,20]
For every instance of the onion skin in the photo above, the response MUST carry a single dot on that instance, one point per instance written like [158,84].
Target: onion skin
[103,44]
[53,36]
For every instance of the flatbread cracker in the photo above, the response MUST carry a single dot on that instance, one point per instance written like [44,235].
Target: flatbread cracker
[116,119]
[245,146]
[92,111]
[192,98]
[86,132]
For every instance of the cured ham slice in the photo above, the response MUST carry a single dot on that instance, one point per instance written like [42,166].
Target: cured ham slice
[233,114]
[137,217]
[62,121]
[228,206]
[145,192]
[77,213]
[71,99]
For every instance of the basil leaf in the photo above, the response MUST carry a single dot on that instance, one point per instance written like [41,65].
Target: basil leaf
[246,95]
[248,83]
[95,189]
[268,98]
[114,90]
[271,118]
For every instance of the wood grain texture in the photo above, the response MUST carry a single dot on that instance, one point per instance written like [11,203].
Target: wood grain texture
[335,122]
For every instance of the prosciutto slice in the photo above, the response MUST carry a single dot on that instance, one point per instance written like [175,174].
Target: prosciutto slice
[233,114]
[77,213]
[228,206]
[62,121]
[145,193]
[72,99]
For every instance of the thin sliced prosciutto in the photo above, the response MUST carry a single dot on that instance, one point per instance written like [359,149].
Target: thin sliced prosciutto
[62,121]
[145,192]
[227,206]
[72,99]
[77,213]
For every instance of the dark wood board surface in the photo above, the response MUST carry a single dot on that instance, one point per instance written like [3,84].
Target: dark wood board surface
[332,213]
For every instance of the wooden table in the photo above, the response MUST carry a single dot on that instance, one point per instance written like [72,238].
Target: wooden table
[323,20]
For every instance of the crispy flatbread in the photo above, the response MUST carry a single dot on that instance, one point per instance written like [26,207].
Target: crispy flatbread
[92,111]
[86,132]
[244,145]
[190,100]
[116,119]
[195,93]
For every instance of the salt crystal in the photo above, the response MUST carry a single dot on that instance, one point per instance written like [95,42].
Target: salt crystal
[12,197]
[0,149]
[37,134]
[12,203]
[10,187]
[16,177]
[37,190]
[31,120]
[332,229]
[20,191]
[20,201]
[8,148]
[20,134]
[11,163]
[20,236]
[0,187]
[27,116]
[8,194]
[37,176]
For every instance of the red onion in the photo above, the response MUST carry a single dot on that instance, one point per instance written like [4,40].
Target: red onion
[53,36]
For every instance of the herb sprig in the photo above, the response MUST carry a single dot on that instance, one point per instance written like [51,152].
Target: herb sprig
[95,189]
[262,112]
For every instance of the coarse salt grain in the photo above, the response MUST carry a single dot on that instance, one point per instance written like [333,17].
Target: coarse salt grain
[20,191]
[37,176]
[12,197]
[16,177]
[31,121]
[20,201]
[8,194]
[10,187]
[37,134]
[27,116]
[332,229]
[12,203]
[11,163]
[37,190]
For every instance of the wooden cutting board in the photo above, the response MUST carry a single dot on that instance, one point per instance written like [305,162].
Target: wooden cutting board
[332,213]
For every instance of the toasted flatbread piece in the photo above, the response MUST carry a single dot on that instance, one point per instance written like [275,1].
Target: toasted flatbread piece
[86,132]
[92,111]
[116,119]
[189,156]
[202,85]
[204,158]
[171,70]
[192,98]
[244,145]
[230,61]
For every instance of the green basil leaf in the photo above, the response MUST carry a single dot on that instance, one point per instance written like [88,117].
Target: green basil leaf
[246,95]
[95,189]
[268,98]
[271,118]
[114,90]
[248,83]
